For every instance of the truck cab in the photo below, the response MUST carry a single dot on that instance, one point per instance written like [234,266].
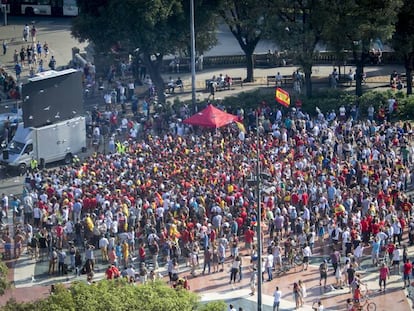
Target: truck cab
[19,152]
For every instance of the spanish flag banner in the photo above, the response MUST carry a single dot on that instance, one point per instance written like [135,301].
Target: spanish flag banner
[241,127]
[282,97]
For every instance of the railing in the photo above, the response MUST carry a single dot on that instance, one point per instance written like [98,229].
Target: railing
[267,60]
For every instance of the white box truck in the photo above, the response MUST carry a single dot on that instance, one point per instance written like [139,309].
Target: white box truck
[46,144]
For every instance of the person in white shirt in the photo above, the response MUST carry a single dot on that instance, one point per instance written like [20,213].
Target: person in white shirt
[278,79]
[133,132]
[396,258]
[358,253]
[37,215]
[318,306]
[124,126]
[131,273]
[269,266]
[103,245]
[306,251]
[277,296]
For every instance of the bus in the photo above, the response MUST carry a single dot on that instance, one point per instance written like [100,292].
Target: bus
[41,7]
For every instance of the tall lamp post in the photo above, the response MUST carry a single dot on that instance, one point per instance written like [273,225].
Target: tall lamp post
[193,71]
[4,9]
[259,218]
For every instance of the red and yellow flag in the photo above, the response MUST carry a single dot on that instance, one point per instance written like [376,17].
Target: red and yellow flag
[241,127]
[282,97]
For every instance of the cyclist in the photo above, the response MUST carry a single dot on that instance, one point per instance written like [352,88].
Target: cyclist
[357,297]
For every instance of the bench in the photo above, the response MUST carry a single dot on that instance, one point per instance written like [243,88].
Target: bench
[167,88]
[234,81]
[286,79]
[403,78]
[237,81]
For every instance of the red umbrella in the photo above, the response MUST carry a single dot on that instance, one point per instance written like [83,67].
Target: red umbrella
[211,117]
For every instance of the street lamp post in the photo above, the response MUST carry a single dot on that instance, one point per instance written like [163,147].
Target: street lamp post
[259,220]
[193,71]
[4,8]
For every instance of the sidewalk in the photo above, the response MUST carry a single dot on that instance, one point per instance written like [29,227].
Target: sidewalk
[31,274]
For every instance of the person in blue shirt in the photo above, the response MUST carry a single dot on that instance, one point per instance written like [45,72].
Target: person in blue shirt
[376,246]
[18,70]
[118,251]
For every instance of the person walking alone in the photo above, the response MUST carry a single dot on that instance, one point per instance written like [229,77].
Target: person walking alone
[4,47]
[277,296]
[234,269]
[384,274]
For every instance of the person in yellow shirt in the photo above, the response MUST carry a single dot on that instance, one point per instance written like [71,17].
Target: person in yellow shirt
[125,252]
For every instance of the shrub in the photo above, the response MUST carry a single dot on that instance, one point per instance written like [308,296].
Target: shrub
[325,99]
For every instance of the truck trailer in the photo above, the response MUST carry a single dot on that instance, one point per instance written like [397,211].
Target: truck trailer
[46,144]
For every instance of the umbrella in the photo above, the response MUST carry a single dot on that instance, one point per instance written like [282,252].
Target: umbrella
[211,117]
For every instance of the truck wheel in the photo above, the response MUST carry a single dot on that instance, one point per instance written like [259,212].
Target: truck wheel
[68,159]
[22,168]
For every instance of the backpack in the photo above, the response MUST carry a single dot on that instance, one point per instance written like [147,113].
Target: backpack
[333,234]
[322,268]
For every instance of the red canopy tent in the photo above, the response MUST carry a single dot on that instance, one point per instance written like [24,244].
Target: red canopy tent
[211,117]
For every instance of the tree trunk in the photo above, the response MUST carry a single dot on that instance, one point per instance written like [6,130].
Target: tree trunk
[409,75]
[308,80]
[359,72]
[408,64]
[358,78]
[249,66]
[153,67]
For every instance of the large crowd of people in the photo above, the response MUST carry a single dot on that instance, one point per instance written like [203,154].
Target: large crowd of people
[166,193]
[179,192]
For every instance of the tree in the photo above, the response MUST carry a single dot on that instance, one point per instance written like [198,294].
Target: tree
[117,295]
[247,22]
[4,282]
[403,40]
[298,28]
[149,30]
[358,24]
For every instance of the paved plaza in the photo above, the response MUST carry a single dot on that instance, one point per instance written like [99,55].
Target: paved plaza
[30,278]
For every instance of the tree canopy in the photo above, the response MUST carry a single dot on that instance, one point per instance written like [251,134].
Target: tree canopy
[357,24]
[149,30]
[247,22]
[298,27]
[403,39]
[4,283]
[117,296]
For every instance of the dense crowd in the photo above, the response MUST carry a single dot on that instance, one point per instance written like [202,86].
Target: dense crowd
[174,193]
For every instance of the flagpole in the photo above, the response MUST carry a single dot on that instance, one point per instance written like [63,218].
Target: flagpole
[259,220]
[193,71]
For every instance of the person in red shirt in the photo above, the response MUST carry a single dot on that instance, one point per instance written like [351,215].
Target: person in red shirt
[357,296]
[239,221]
[112,272]
[390,249]
[408,267]
[375,228]
[248,238]
[403,224]
[365,230]
[384,274]
[185,236]
[141,252]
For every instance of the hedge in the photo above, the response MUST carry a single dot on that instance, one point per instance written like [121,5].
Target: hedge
[326,100]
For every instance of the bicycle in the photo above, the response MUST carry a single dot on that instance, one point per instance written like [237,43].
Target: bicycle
[365,303]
